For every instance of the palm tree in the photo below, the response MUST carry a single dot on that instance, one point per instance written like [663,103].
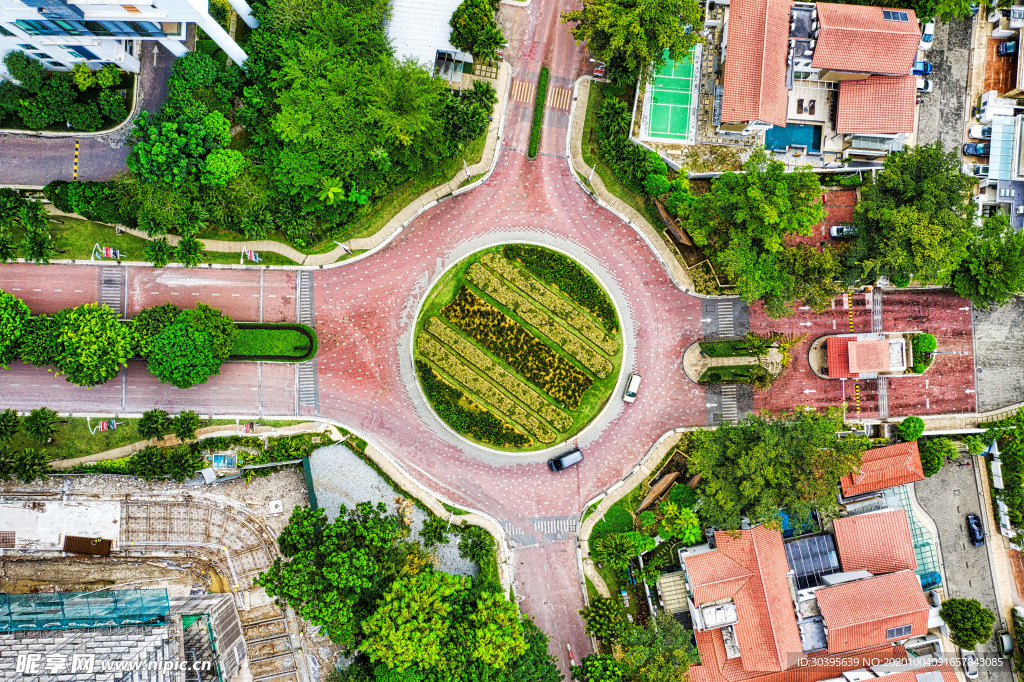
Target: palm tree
[193,220]
[190,251]
[38,246]
[331,189]
[9,424]
[8,247]
[615,549]
[6,463]
[159,251]
[41,424]
[31,464]
[32,216]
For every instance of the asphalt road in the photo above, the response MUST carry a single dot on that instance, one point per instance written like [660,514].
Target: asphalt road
[942,112]
[948,497]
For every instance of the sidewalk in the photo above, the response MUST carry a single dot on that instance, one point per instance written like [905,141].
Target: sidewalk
[390,229]
[680,277]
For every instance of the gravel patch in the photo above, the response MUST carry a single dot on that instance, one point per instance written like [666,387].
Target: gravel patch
[341,478]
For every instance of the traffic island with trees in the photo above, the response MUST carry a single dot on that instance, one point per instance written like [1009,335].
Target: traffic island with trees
[90,345]
[517,347]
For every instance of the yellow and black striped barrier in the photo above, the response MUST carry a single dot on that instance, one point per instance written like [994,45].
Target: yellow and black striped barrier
[76,159]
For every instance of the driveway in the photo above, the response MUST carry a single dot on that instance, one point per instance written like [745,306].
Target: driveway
[999,346]
[942,113]
[29,160]
[948,497]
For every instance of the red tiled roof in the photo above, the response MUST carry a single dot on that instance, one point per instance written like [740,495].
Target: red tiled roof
[839,356]
[755,62]
[869,356]
[858,38]
[714,576]
[882,468]
[877,105]
[878,542]
[857,614]
[766,630]
[818,667]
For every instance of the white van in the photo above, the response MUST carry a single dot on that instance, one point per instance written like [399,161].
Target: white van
[632,385]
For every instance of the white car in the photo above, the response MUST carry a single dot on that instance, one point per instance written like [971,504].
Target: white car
[970,664]
[924,85]
[927,36]
[631,388]
[980,132]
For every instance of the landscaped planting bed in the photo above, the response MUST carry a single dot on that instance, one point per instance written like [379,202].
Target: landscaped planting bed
[266,341]
[727,373]
[494,337]
[725,349]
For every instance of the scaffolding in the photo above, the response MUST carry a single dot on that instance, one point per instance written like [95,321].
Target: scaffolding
[63,610]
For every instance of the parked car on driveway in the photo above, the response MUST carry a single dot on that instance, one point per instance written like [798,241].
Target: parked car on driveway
[975,530]
[927,36]
[632,385]
[1005,643]
[924,84]
[977,149]
[1007,47]
[980,132]
[970,664]
[842,231]
[922,68]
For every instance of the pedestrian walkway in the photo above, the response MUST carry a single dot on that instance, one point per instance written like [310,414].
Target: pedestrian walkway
[112,292]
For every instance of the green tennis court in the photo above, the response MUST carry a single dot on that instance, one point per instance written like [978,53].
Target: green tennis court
[673,98]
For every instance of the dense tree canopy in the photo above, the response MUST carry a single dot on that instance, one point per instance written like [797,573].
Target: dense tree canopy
[91,345]
[182,355]
[764,464]
[993,270]
[630,35]
[474,29]
[970,623]
[915,219]
[14,316]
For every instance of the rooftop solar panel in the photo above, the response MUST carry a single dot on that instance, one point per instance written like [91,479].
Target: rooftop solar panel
[812,557]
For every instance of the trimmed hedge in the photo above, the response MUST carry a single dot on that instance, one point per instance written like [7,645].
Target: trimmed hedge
[571,278]
[460,413]
[270,341]
[538,111]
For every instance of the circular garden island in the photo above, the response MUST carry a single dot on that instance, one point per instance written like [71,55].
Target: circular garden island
[517,347]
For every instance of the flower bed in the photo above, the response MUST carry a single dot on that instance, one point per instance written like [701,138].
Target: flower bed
[570,277]
[519,389]
[566,340]
[511,342]
[576,320]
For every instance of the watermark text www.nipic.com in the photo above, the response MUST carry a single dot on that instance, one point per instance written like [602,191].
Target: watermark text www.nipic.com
[34,664]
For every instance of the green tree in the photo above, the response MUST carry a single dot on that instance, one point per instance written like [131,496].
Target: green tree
[993,270]
[91,345]
[474,29]
[497,634]
[83,76]
[182,355]
[112,105]
[970,623]
[911,428]
[149,323]
[763,464]
[915,219]
[190,251]
[109,76]
[85,116]
[6,463]
[222,166]
[155,424]
[604,619]
[41,424]
[38,246]
[159,251]
[743,222]
[14,315]
[631,35]
[38,344]
[598,668]
[680,523]
[185,425]
[660,651]
[615,549]
[29,73]
[149,464]
[934,452]
[30,465]
[219,326]
[10,422]
[183,461]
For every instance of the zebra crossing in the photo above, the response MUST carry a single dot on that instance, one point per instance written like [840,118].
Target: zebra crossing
[308,385]
[523,92]
[544,529]
[304,298]
[883,397]
[730,408]
[559,98]
[112,288]
[725,319]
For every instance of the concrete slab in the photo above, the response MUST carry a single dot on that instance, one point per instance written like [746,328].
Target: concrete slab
[44,525]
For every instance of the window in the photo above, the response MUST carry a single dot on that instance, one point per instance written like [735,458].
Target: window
[56,65]
[5,32]
[82,52]
[26,46]
[898,633]
[893,15]
[41,55]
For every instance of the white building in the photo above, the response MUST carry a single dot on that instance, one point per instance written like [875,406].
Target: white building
[61,33]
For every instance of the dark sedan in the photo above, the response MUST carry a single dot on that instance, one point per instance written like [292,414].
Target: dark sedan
[977,149]
[975,531]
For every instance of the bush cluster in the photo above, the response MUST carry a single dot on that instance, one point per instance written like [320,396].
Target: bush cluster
[934,452]
[538,111]
[911,428]
[1012,493]
[474,29]
[457,410]
[570,277]
[85,99]
[641,169]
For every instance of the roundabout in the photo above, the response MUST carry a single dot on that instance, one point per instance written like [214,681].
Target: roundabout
[517,347]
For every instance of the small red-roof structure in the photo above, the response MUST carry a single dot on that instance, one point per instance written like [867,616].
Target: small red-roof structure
[859,39]
[838,351]
[868,356]
[879,104]
[879,542]
[884,467]
[755,62]
[870,612]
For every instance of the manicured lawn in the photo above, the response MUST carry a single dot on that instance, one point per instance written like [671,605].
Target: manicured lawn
[740,373]
[593,399]
[275,343]
[724,349]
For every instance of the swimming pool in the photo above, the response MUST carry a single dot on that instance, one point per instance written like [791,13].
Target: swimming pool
[778,137]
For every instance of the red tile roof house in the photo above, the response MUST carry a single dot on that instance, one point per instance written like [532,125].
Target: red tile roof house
[745,609]
[882,468]
[865,52]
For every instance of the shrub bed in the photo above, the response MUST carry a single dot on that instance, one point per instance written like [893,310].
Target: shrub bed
[922,346]
[570,277]
[538,111]
[463,414]
[725,349]
[526,354]
[285,342]
[727,373]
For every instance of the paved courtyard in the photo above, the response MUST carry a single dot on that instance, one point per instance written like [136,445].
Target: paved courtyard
[999,344]
[943,109]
